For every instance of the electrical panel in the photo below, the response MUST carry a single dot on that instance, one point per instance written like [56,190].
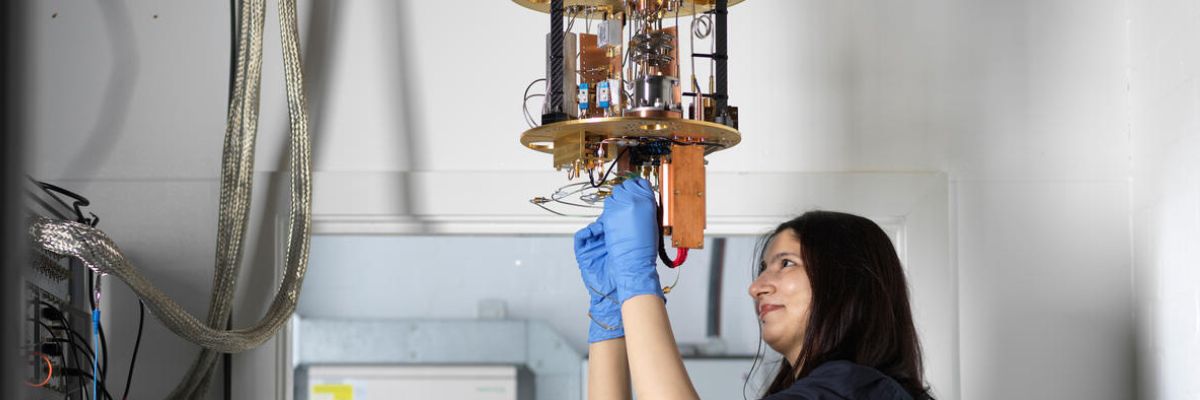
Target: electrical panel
[55,327]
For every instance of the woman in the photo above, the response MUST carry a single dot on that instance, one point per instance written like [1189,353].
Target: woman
[830,294]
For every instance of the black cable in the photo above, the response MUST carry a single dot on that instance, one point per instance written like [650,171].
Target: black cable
[233,43]
[103,353]
[85,374]
[99,331]
[137,343]
[74,357]
[87,394]
[604,178]
[62,355]
[75,353]
[73,334]
[227,361]
[80,362]
[662,247]
[234,36]
[75,349]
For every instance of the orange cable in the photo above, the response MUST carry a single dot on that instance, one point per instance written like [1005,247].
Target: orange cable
[49,372]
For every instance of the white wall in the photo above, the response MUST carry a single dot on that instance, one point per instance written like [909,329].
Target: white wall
[1165,98]
[119,112]
[1025,104]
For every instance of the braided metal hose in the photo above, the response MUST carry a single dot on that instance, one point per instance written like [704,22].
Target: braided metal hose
[98,252]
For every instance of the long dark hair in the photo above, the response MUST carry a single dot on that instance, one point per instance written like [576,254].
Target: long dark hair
[859,310]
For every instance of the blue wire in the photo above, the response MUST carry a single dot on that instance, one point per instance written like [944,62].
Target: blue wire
[96,345]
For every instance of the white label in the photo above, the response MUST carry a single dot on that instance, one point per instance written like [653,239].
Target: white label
[602,94]
[583,96]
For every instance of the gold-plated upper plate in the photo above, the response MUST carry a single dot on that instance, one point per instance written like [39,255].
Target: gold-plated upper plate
[542,138]
[544,5]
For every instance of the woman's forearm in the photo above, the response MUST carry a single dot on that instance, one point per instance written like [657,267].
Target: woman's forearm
[608,371]
[654,360]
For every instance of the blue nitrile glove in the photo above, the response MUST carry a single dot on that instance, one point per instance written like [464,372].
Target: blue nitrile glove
[604,311]
[630,221]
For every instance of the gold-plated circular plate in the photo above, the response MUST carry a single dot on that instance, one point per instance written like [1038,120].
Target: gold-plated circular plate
[544,5]
[542,138]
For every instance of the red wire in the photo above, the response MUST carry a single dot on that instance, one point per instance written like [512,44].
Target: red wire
[49,371]
[680,256]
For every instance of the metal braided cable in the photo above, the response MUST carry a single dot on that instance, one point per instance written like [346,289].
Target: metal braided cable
[235,202]
[98,252]
[204,368]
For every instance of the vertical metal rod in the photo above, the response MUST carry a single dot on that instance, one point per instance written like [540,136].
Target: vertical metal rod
[716,273]
[722,57]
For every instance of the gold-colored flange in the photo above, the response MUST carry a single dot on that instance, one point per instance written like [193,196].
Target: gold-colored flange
[542,138]
[610,5]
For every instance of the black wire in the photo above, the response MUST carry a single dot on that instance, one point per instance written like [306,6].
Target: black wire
[103,356]
[71,335]
[227,361]
[62,317]
[137,343]
[662,247]
[62,355]
[234,33]
[85,374]
[604,178]
[103,353]
[233,43]
[75,352]
[99,331]
[74,357]
[87,394]
[75,347]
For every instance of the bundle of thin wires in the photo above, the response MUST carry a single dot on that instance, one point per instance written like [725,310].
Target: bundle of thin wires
[93,377]
[97,251]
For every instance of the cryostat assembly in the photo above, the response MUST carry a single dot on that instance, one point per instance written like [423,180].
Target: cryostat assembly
[616,103]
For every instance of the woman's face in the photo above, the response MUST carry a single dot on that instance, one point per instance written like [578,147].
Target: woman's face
[782,295]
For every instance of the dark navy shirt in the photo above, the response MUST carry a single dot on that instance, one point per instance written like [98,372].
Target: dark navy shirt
[843,380]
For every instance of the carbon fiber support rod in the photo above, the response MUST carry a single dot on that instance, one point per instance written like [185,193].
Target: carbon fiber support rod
[721,56]
[556,56]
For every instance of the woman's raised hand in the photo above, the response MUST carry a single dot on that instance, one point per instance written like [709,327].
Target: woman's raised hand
[630,227]
[604,309]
